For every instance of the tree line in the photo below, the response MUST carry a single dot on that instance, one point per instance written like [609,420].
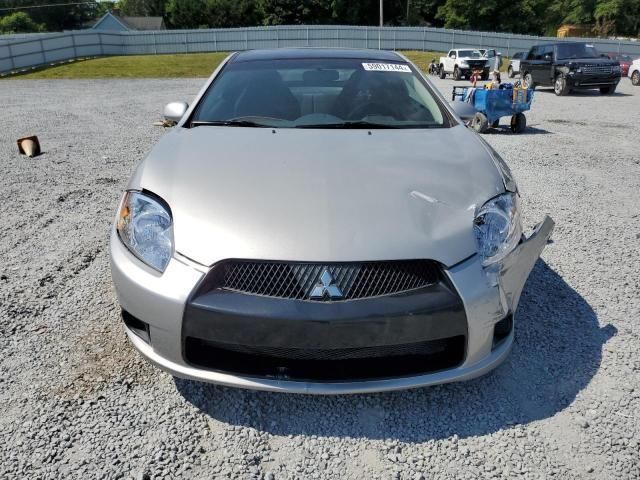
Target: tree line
[536,17]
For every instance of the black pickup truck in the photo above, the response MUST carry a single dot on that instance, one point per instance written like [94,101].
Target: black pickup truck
[569,66]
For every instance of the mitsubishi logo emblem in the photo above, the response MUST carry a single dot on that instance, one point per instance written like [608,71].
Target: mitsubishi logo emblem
[325,287]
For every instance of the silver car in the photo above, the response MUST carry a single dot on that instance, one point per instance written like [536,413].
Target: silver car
[321,221]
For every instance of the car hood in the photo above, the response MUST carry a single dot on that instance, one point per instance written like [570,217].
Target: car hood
[321,195]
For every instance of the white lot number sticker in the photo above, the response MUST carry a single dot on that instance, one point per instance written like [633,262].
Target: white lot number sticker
[386,67]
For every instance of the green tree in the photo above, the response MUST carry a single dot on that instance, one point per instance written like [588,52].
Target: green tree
[18,22]
[142,8]
[187,13]
[55,15]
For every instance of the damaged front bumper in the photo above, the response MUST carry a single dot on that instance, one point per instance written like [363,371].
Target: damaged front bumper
[489,296]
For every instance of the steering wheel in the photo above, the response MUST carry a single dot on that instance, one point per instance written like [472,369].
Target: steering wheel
[367,109]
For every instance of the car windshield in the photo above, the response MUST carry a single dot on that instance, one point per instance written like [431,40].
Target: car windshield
[320,93]
[576,50]
[469,54]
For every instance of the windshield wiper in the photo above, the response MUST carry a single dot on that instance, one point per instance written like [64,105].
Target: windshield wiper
[227,123]
[363,124]
[352,124]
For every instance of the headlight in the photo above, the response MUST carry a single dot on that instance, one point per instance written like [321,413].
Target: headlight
[145,227]
[463,64]
[616,68]
[498,227]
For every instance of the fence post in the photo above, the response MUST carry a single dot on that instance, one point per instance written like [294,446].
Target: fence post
[307,35]
[424,39]
[155,44]
[246,39]
[215,41]
[100,43]
[44,56]
[277,38]
[186,44]
[453,40]
[13,63]
[394,40]
[73,42]
[481,37]
[509,46]
[366,37]
[379,38]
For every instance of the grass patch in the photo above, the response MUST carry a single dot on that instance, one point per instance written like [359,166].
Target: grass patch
[187,65]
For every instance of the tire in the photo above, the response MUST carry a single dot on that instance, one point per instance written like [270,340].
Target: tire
[443,74]
[510,72]
[635,78]
[518,123]
[560,87]
[457,75]
[479,122]
[608,90]
[496,123]
[527,80]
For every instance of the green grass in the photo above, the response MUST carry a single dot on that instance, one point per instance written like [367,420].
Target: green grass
[163,66]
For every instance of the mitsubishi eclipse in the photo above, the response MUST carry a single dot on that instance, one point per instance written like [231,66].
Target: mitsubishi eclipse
[321,221]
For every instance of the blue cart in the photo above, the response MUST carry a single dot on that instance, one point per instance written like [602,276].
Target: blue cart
[491,104]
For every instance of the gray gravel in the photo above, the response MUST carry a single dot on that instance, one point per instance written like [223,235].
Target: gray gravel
[78,402]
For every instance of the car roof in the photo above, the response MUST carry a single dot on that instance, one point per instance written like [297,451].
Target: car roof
[312,52]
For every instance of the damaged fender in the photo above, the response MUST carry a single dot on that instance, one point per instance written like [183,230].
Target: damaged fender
[516,267]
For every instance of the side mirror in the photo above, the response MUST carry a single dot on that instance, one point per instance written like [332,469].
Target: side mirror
[174,111]
[463,110]
[547,58]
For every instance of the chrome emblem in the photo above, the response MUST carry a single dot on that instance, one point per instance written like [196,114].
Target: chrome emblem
[325,287]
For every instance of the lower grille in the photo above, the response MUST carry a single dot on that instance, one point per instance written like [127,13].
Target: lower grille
[327,365]
[323,281]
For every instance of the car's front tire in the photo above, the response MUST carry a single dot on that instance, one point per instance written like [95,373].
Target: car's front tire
[443,74]
[528,81]
[457,75]
[560,86]
[635,78]
[608,90]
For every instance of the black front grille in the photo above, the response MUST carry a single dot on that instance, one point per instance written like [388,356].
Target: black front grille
[327,365]
[309,281]
[593,69]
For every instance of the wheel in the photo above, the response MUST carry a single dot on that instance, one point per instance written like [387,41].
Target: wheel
[495,123]
[510,72]
[608,90]
[518,123]
[443,74]
[527,80]
[479,122]
[635,78]
[457,75]
[560,86]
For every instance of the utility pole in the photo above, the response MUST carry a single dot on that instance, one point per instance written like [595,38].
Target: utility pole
[381,16]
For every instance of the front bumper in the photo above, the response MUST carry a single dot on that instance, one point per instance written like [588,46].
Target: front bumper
[162,301]
[577,80]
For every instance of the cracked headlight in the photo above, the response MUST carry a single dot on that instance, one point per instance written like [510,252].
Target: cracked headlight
[145,227]
[498,227]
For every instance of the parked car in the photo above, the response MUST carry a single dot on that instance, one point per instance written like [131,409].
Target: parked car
[461,63]
[625,62]
[634,72]
[321,221]
[568,66]
[514,64]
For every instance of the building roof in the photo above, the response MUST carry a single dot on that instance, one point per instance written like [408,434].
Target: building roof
[112,21]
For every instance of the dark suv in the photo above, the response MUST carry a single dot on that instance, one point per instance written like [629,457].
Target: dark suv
[569,66]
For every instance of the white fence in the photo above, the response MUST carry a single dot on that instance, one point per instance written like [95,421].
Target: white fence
[19,52]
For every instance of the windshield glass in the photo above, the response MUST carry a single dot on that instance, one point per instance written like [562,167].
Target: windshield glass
[319,93]
[576,50]
[469,54]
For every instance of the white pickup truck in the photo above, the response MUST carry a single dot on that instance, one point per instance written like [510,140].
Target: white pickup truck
[460,63]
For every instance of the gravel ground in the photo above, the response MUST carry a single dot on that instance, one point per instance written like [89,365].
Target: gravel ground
[78,402]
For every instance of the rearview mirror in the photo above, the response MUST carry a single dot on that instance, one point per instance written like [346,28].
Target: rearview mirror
[463,110]
[174,111]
